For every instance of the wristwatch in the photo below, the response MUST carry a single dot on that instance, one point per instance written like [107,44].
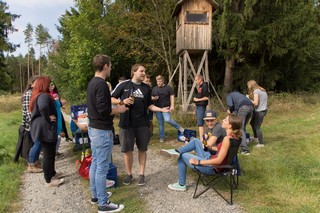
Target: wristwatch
[121,102]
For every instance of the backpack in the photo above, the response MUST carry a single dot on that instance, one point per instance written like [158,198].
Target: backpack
[84,168]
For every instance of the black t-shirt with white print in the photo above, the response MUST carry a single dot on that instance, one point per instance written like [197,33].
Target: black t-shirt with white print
[137,115]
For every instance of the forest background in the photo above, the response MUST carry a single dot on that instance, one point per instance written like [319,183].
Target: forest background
[275,42]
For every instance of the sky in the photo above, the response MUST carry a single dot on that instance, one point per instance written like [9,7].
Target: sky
[35,12]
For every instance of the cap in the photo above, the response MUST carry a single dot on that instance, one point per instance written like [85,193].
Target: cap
[210,114]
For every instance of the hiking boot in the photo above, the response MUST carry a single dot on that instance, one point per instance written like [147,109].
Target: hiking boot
[170,152]
[55,182]
[95,200]
[110,207]
[141,181]
[177,187]
[33,169]
[127,180]
[161,140]
[259,145]
[245,152]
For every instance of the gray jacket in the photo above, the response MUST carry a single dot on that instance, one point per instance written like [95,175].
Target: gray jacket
[42,128]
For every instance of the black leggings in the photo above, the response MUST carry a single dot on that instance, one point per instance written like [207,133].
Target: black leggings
[49,156]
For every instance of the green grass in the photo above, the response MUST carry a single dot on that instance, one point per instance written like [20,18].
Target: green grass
[284,176]
[9,172]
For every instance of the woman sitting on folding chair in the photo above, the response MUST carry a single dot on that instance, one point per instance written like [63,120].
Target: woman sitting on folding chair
[204,161]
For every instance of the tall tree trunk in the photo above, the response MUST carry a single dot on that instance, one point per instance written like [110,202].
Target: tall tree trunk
[40,59]
[28,64]
[20,76]
[228,77]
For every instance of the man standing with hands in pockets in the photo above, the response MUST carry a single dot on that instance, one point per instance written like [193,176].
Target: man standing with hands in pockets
[100,132]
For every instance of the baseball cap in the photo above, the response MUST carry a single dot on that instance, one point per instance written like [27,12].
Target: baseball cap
[210,114]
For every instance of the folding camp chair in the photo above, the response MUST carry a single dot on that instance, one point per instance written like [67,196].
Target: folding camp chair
[224,173]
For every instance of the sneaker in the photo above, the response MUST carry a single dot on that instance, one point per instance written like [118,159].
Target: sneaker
[68,140]
[33,169]
[181,129]
[58,175]
[55,182]
[253,139]
[259,145]
[177,187]
[95,200]
[141,181]
[161,140]
[127,180]
[245,152]
[170,152]
[110,183]
[110,207]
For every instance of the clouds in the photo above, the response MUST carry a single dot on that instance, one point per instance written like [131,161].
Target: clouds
[30,4]
[35,12]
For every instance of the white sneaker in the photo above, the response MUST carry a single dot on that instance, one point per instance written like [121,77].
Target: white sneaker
[110,183]
[55,182]
[170,152]
[259,145]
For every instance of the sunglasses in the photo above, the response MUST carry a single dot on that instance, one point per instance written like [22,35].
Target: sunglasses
[51,84]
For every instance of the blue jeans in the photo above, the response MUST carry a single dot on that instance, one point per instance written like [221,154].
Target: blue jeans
[256,122]
[165,117]
[101,146]
[183,161]
[245,113]
[35,152]
[200,111]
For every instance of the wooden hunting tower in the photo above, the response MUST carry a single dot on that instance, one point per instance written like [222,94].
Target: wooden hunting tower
[193,41]
[193,25]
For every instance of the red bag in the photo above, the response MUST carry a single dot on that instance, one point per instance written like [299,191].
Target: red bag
[83,170]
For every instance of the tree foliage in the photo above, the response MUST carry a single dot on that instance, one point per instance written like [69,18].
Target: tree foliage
[274,42]
[6,19]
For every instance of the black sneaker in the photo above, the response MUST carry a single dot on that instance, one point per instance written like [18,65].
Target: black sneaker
[127,180]
[141,181]
[95,200]
[110,207]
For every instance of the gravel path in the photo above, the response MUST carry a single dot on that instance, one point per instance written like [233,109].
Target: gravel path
[74,196]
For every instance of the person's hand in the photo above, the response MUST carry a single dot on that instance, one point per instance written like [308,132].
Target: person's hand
[228,111]
[121,108]
[63,102]
[165,109]
[171,108]
[128,101]
[53,118]
[193,161]
[154,98]
[195,99]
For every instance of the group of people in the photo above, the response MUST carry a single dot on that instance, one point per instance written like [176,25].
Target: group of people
[42,118]
[135,100]
[251,106]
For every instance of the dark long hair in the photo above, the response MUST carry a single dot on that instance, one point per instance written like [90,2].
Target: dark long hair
[40,86]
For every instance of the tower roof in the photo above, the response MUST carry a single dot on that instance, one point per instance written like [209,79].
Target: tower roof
[178,6]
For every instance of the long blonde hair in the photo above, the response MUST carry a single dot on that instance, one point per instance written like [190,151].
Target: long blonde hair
[252,85]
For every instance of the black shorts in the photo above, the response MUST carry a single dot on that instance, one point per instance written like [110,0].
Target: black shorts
[140,135]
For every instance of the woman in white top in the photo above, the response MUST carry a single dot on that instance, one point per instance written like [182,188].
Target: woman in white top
[259,99]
